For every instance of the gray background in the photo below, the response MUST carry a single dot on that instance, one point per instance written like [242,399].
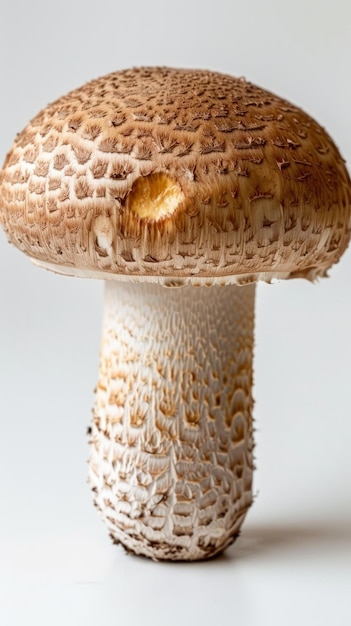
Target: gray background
[293,562]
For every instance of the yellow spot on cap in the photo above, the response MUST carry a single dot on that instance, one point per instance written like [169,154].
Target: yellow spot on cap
[155,197]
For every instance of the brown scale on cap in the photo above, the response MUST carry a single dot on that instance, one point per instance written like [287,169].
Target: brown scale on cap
[177,174]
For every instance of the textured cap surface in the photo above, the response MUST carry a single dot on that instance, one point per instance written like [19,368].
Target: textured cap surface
[176,174]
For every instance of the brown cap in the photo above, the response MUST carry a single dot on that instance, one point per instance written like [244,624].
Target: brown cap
[176,175]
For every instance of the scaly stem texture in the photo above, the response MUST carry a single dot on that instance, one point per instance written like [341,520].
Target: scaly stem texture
[171,440]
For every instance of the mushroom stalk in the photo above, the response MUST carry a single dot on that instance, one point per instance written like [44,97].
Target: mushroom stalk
[171,439]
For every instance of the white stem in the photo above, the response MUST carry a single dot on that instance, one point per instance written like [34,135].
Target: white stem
[171,447]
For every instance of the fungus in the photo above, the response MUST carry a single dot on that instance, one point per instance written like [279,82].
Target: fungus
[181,189]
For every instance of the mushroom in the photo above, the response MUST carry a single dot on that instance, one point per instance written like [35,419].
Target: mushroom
[181,189]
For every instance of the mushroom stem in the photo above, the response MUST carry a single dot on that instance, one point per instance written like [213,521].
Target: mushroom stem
[171,440]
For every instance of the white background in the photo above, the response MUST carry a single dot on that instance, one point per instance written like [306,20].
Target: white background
[292,564]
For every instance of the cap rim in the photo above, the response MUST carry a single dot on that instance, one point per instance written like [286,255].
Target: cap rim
[310,274]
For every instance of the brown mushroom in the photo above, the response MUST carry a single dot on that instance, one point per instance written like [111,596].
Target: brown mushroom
[175,178]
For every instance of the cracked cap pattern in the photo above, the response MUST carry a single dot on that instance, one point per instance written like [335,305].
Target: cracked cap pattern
[256,187]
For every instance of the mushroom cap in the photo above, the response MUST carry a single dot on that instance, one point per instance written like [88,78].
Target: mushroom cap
[176,176]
